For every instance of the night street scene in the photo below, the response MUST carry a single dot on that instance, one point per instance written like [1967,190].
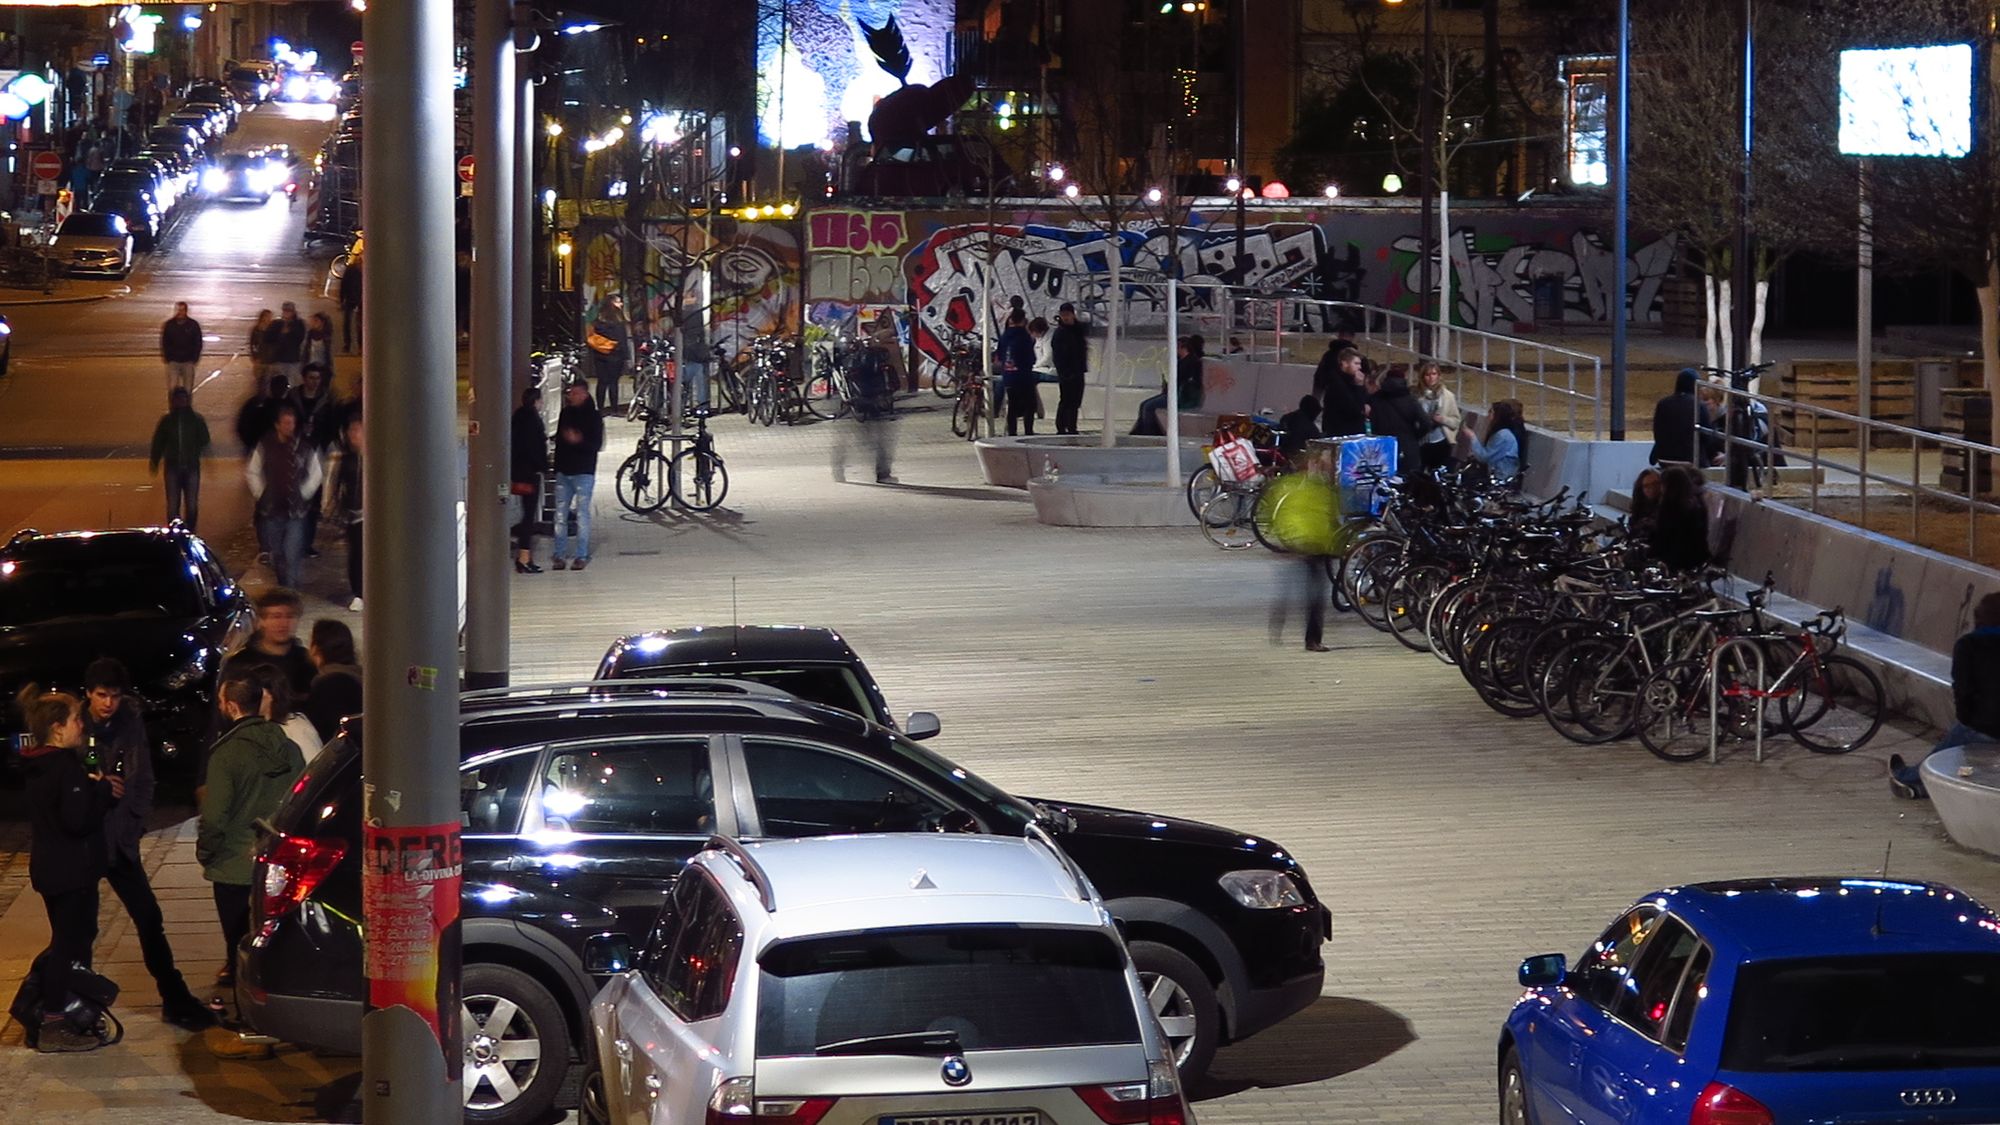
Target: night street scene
[1000,562]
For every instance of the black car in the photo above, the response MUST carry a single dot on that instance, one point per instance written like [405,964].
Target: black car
[155,598]
[813,663]
[141,212]
[581,803]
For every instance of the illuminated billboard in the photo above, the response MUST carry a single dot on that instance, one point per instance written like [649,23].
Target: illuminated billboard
[1906,101]
[821,63]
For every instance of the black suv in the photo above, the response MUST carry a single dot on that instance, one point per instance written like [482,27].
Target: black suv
[155,598]
[580,804]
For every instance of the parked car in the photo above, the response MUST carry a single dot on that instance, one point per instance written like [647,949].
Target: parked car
[243,176]
[6,343]
[182,136]
[155,598]
[810,662]
[178,167]
[141,212]
[1761,1001]
[132,176]
[221,99]
[875,979]
[198,120]
[90,242]
[1222,925]
[251,85]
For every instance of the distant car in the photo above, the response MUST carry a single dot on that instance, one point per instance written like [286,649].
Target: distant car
[810,662]
[177,165]
[145,174]
[1761,1001]
[222,100]
[90,242]
[155,598]
[197,120]
[250,85]
[182,137]
[141,211]
[949,980]
[308,86]
[242,176]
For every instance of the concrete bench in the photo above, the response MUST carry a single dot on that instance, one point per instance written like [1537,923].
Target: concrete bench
[1964,784]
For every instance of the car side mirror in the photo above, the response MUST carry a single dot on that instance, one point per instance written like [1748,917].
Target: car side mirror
[921,725]
[958,820]
[1544,970]
[607,953]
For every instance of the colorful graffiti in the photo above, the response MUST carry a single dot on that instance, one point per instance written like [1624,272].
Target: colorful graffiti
[1493,278]
[754,275]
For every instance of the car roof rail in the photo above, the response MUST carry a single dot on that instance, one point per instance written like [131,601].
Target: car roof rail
[1039,835]
[752,870]
[691,685]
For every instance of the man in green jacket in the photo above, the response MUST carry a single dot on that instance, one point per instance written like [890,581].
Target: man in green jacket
[251,768]
[179,442]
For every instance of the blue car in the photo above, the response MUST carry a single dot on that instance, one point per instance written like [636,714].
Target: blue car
[1765,1002]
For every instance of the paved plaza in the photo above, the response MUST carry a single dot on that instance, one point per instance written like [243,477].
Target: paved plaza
[1130,668]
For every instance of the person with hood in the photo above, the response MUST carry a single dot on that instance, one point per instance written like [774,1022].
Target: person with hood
[1397,414]
[1342,395]
[1016,354]
[1684,428]
[179,442]
[114,734]
[1298,428]
[250,770]
[336,687]
[67,806]
[528,462]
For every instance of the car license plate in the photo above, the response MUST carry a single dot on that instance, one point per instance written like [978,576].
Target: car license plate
[999,1117]
[983,1117]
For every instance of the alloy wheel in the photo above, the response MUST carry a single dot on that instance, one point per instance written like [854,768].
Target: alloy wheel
[1174,1008]
[503,1051]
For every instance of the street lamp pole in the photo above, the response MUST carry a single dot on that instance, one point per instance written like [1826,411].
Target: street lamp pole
[1427,132]
[1239,16]
[493,282]
[1621,239]
[1743,276]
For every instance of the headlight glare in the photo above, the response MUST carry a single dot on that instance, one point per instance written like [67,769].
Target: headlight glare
[1261,889]
[188,673]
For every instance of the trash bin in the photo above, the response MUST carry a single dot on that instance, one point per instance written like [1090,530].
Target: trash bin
[1548,291]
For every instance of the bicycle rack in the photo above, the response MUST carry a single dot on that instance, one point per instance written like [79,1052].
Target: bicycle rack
[1715,688]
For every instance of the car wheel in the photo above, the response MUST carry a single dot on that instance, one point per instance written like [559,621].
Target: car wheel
[516,1046]
[1513,1091]
[1184,1002]
[593,1107]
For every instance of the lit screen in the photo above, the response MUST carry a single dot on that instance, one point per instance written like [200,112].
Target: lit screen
[816,71]
[1906,101]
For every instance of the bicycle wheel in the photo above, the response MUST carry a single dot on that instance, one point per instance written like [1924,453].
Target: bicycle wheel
[1370,591]
[1673,711]
[1837,709]
[824,397]
[1588,688]
[1227,520]
[1202,485]
[1354,573]
[1411,593]
[962,413]
[697,480]
[1494,660]
[944,382]
[642,482]
[726,389]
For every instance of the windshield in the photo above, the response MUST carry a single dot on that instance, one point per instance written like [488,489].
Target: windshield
[96,226]
[1904,1012]
[995,987]
[949,776]
[67,579]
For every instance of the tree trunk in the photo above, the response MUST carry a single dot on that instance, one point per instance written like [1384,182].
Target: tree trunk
[1708,320]
[1725,325]
[1110,364]
[1989,326]
[1760,301]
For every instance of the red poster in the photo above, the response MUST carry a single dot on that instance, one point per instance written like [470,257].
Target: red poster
[409,906]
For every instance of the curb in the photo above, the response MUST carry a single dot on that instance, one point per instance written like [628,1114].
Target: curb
[83,300]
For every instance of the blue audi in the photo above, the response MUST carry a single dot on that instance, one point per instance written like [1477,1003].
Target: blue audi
[1765,1002]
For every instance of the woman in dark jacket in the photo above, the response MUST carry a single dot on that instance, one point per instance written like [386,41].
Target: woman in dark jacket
[68,852]
[609,367]
[1679,535]
[529,462]
[1397,414]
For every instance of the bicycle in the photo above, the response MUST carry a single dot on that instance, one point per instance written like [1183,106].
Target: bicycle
[964,366]
[642,478]
[972,411]
[697,478]
[827,392]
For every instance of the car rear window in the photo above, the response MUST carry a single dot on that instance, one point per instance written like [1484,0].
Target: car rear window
[93,225]
[1901,1012]
[998,987]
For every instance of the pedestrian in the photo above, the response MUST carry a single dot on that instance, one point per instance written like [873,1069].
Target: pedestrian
[1647,489]
[528,462]
[1683,428]
[114,733]
[286,708]
[1397,414]
[180,441]
[1069,350]
[319,345]
[251,768]
[1297,428]
[275,641]
[286,337]
[1441,406]
[350,305]
[1506,442]
[1306,525]
[695,356]
[180,347]
[284,476]
[1016,354]
[579,438]
[1188,376]
[312,400]
[1975,695]
[344,504]
[1679,534]
[610,340]
[336,685]
[1342,394]
[254,418]
[873,377]
[67,850]
[260,345]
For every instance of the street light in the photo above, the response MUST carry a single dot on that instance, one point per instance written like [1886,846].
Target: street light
[1153,195]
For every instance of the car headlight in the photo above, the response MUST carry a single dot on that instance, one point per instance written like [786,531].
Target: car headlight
[1262,890]
[214,179]
[188,673]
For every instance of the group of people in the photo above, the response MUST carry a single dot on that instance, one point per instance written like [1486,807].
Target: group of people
[296,434]
[1032,352]
[1352,396]
[579,440]
[91,785]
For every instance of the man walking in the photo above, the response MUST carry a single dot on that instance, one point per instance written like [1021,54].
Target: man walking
[344,504]
[179,442]
[180,347]
[350,306]
[579,437]
[275,642]
[1071,353]
[313,402]
[284,476]
[286,338]
[250,770]
[115,735]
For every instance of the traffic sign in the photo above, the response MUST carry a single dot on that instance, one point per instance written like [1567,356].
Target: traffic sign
[47,167]
[465,168]
[355,49]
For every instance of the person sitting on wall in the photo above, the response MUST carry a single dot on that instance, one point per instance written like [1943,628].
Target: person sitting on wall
[1975,694]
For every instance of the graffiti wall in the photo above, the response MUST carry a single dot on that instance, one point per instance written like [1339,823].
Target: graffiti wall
[753,277]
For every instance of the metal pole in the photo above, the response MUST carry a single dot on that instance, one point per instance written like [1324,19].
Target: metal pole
[1110,364]
[411,1042]
[1173,376]
[1621,244]
[1744,280]
[1427,167]
[1237,17]
[486,491]
[1864,325]
[523,320]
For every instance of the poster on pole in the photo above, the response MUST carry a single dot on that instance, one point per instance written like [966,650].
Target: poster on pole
[410,880]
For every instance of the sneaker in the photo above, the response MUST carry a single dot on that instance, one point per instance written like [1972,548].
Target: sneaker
[355,605]
[579,564]
[58,1038]
[885,478]
[560,564]
[1907,790]
[1318,648]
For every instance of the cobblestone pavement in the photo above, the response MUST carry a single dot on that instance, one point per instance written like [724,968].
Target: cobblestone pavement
[1134,668]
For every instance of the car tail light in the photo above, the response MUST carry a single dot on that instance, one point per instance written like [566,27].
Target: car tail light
[294,866]
[1156,1101]
[735,1102]
[1720,1104]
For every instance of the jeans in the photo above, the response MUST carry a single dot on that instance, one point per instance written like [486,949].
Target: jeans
[183,494]
[180,374]
[1148,424]
[696,375]
[1958,735]
[350,327]
[128,881]
[575,487]
[232,909]
[285,538]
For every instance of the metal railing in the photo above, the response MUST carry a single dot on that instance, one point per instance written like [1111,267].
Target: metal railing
[1839,476]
